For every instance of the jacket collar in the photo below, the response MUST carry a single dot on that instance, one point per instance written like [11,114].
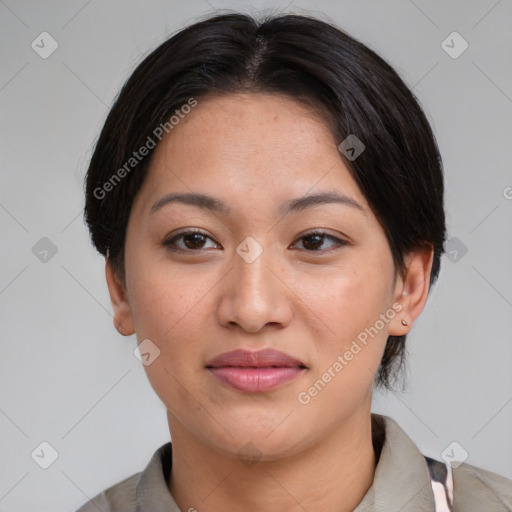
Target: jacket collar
[401,481]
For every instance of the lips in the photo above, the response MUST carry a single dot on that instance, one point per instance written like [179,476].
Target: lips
[255,372]
[259,359]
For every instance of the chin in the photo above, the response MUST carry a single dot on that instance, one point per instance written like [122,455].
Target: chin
[265,444]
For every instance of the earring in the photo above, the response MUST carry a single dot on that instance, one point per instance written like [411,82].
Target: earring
[404,322]
[120,329]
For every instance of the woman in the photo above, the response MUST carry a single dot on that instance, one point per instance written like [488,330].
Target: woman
[269,200]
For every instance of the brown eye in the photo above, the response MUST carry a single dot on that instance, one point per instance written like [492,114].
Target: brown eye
[194,240]
[314,241]
[191,240]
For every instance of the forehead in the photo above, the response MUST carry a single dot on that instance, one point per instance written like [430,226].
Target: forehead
[266,146]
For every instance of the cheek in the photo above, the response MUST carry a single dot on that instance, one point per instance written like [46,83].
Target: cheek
[347,360]
[350,299]
[163,296]
[350,304]
[170,307]
[166,308]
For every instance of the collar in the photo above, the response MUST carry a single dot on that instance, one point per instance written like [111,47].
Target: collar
[401,482]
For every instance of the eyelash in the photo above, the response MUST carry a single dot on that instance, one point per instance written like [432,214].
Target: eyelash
[171,241]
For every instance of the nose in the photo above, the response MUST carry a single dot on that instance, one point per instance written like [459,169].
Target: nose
[255,294]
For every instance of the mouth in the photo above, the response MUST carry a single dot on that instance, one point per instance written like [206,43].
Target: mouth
[255,372]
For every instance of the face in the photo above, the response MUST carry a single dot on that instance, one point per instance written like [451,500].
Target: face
[267,268]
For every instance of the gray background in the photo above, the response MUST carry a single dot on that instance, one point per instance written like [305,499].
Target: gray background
[68,378]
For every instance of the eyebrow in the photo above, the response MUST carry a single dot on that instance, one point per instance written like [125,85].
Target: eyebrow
[292,205]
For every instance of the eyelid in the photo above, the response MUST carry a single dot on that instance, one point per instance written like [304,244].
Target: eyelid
[319,231]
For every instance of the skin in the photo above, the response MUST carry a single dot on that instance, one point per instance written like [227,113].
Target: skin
[254,152]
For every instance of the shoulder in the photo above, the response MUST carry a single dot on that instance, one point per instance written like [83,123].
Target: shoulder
[120,496]
[466,488]
[456,487]
[475,487]
[139,491]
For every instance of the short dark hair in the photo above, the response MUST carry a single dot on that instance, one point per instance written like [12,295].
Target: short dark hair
[313,62]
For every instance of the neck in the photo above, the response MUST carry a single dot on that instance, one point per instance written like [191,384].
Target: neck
[332,475]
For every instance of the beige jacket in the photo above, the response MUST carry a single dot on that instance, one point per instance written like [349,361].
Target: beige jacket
[404,481]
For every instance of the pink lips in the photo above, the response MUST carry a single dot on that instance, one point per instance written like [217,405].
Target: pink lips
[255,372]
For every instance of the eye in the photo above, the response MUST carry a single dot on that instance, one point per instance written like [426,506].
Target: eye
[313,241]
[192,240]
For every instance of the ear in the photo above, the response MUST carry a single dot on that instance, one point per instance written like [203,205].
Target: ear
[123,320]
[411,289]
